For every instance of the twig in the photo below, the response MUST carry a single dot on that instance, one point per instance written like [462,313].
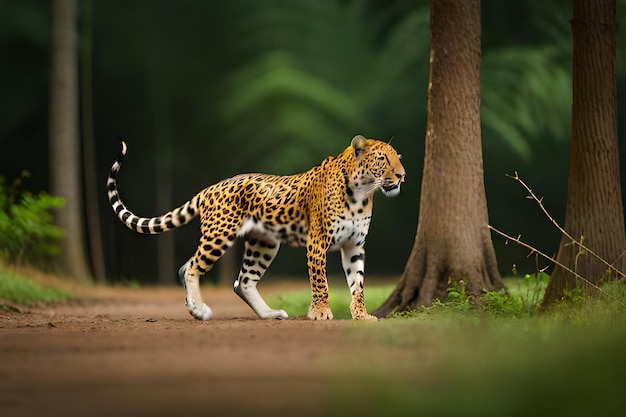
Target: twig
[539,201]
[527,246]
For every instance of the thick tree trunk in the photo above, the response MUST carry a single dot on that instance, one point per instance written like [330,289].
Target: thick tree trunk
[64,143]
[594,208]
[453,241]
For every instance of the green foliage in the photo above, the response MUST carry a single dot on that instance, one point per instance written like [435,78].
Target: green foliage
[531,289]
[457,297]
[523,300]
[318,71]
[27,234]
[20,290]
[526,96]
[499,304]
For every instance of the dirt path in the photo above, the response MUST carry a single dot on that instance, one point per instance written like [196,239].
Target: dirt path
[137,352]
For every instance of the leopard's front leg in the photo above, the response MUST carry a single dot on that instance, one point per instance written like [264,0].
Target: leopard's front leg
[353,262]
[316,262]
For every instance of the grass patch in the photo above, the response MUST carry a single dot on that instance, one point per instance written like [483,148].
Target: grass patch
[525,296]
[296,304]
[503,359]
[18,289]
[490,367]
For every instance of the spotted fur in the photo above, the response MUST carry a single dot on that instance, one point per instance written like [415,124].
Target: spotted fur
[326,208]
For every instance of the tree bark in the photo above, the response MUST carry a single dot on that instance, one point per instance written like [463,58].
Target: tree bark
[594,209]
[453,241]
[96,251]
[166,266]
[64,143]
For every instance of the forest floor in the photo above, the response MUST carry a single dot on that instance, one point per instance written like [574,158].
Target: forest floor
[137,352]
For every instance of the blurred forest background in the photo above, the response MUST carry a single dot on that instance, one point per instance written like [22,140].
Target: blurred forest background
[203,90]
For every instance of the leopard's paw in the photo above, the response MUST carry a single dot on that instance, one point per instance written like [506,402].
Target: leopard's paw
[358,311]
[365,316]
[320,313]
[201,313]
[274,314]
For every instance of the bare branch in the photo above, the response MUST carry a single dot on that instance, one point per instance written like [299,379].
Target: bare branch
[539,201]
[550,258]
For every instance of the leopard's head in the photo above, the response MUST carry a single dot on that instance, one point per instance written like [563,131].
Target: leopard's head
[379,164]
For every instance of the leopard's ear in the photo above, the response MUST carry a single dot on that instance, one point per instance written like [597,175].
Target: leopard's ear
[358,145]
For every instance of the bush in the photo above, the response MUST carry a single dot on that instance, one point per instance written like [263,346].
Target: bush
[27,234]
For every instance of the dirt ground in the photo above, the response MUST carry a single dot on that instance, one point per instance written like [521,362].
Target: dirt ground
[137,352]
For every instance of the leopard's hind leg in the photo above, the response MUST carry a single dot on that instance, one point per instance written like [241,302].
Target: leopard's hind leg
[211,248]
[259,252]
[190,278]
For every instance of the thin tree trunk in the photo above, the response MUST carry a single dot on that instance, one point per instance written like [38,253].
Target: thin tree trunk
[453,241]
[227,266]
[166,268]
[594,209]
[64,144]
[89,157]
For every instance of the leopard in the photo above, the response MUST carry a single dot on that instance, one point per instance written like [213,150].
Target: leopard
[327,208]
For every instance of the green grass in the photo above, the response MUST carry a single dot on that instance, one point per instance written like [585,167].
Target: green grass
[21,290]
[504,359]
[491,367]
[526,294]
[296,304]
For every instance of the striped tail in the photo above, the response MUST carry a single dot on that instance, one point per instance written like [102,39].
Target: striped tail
[147,225]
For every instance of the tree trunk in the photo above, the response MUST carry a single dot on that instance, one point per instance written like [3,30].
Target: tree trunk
[166,265]
[64,144]
[453,241]
[96,250]
[227,266]
[594,208]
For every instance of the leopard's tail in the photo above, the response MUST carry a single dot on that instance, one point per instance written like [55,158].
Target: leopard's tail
[147,225]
